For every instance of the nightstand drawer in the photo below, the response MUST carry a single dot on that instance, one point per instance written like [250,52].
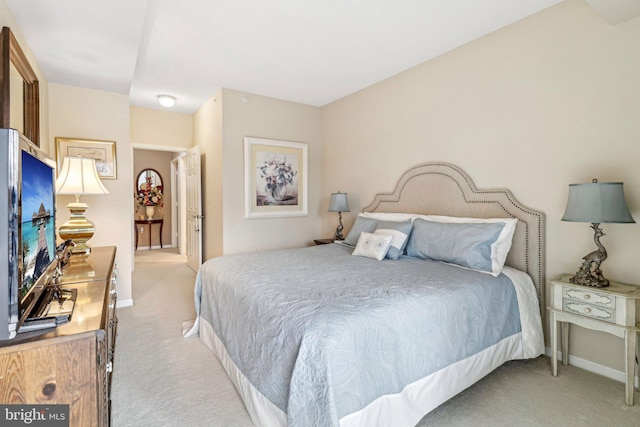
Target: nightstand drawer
[588,296]
[605,314]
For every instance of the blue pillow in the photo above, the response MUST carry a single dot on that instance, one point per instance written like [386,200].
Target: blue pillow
[367,225]
[464,244]
[400,232]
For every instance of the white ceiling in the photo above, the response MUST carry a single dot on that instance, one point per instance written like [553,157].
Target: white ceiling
[307,51]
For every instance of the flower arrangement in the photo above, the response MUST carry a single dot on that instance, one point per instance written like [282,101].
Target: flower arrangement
[149,195]
[277,173]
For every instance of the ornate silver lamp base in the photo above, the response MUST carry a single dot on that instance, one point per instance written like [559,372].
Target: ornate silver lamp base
[590,273]
[338,235]
[589,281]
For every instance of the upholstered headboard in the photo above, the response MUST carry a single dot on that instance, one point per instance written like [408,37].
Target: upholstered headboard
[445,189]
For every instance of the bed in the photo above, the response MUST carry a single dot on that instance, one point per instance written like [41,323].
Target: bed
[318,336]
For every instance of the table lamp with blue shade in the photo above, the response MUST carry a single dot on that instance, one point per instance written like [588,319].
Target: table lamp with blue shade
[596,202]
[339,203]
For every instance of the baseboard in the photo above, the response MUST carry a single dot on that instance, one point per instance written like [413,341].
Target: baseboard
[124,303]
[590,366]
[146,248]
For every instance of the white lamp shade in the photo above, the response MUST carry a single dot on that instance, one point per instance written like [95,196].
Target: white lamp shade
[597,202]
[79,176]
[339,202]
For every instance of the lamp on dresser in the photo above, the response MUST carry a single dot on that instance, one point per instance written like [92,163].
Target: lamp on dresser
[339,203]
[78,176]
[596,202]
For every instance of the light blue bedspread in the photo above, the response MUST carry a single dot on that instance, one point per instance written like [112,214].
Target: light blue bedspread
[321,333]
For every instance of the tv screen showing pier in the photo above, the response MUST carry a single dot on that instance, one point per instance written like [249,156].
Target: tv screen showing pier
[38,234]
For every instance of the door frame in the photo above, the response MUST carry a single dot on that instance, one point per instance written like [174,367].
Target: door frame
[178,207]
[182,152]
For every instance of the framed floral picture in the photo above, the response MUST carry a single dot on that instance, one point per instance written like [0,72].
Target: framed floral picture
[275,178]
[104,153]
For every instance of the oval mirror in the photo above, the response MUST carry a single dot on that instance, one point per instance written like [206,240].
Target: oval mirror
[149,174]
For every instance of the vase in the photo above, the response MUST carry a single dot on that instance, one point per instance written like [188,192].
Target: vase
[149,210]
[279,192]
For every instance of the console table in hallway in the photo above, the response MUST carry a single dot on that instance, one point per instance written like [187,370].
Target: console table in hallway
[149,222]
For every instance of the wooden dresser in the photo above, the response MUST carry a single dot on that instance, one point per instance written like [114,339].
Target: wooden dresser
[71,364]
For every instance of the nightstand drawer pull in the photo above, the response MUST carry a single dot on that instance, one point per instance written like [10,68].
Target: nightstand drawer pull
[587,296]
[600,313]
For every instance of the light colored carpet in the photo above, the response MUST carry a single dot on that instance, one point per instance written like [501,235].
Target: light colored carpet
[161,379]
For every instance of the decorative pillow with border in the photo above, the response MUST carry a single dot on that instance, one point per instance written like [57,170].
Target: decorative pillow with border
[500,248]
[464,244]
[372,245]
[400,232]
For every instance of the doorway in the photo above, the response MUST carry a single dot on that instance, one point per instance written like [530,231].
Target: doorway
[162,234]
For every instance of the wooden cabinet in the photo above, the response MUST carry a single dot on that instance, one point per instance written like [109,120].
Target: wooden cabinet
[71,364]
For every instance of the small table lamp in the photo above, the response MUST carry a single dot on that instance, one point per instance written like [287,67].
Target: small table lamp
[339,203]
[598,202]
[78,176]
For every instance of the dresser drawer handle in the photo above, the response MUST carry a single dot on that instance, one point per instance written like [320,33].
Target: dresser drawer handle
[587,310]
[587,296]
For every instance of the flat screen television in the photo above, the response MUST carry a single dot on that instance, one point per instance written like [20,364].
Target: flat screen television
[27,217]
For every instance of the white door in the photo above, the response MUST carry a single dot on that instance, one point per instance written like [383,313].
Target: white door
[194,209]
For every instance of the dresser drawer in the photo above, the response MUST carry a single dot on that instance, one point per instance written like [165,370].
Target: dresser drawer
[588,296]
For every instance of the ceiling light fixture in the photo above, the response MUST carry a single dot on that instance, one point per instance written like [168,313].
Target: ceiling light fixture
[167,101]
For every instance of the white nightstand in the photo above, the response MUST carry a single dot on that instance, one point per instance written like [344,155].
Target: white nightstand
[614,309]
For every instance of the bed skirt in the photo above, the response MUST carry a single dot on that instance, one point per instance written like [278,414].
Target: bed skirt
[401,409]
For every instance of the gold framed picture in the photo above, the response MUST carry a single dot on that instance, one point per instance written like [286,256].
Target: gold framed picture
[104,153]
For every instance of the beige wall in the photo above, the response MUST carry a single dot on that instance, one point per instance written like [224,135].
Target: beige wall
[92,114]
[252,115]
[548,101]
[157,127]
[160,161]
[219,128]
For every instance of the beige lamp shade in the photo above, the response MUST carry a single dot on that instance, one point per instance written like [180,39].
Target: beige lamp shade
[78,176]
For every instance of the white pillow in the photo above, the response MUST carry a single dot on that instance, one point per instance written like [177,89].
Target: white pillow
[389,216]
[373,245]
[400,232]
